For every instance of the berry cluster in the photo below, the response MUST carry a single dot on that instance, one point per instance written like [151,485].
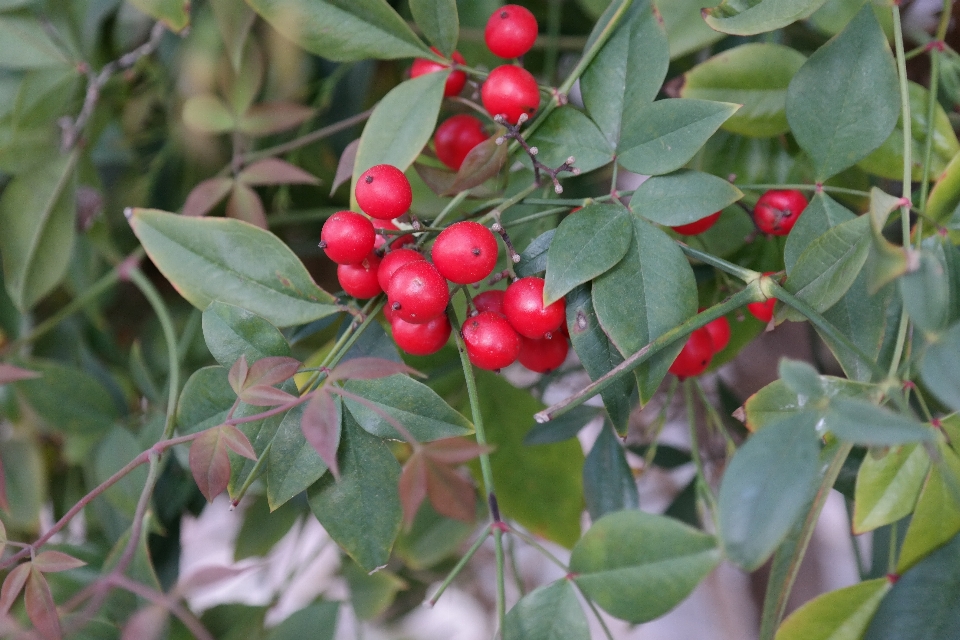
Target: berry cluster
[700,348]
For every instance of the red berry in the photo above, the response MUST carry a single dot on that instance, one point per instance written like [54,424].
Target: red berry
[347,237]
[543,355]
[699,226]
[465,252]
[523,306]
[490,340]
[384,192]
[360,280]
[719,331]
[417,292]
[456,137]
[695,356]
[421,339]
[491,300]
[777,211]
[393,261]
[762,311]
[396,242]
[511,31]
[455,81]
[510,91]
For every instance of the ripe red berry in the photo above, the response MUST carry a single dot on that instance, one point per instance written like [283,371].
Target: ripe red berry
[523,306]
[393,261]
[347,237]
[383,192]
[695,356]
[777,211]
[510,31]
[510,91]
[698,226]
[455,81]
[491,300]
[543,355]
[719,331]
[421,339]
[490,340]
[456,137]
[465,252]
[396,242]
[360,280]
[417,292]
[762,311]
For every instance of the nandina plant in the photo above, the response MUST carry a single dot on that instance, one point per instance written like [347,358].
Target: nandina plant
[173,339]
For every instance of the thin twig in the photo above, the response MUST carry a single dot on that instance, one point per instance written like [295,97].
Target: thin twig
[189,620]
[513,133]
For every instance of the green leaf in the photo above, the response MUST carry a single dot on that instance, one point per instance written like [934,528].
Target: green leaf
[293,464]
[940,368]
[210,259]
[864,318]
[766,487]
[204,401]
[563,427]
[598,355]
[540,487]
[431,539]
[627,72]
[841,104]
[663,136]
[26,44]
[937,517]
[567,132]
[175,14]
[343,30]
[533,260]
[550,612]
[749,17]
[207,114]
[231,332]
[929,292]
[637,566]
[686,30]
[261,529]
[439,21]
[755,75]
[413,404]
[608,482]
[802,379]
[838,615]
[317,621]
[821,214]
[112,454]
[234,19]
[25,476]
[371,594]
[944,198]
[361,511]
[888,487]
[37,229]
[776,401]
[865,423]
[586,245]
[683,197]
[68,400]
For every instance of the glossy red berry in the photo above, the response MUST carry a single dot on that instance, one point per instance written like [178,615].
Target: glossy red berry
[491,300]
[543,355]
[456,137]
[347,237]
[510,91]
[421,339]
[719,331]
[455,81]
[777,211]
[490,340]
[360,280]
[511,31]
[523,306]
[396,242]
[417,292]
[695,356]
[698,226]
[383,192]
[393,261]
[465,252]
[762,311]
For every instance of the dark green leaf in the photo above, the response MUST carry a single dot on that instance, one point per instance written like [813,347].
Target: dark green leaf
[175,14]
[211,259]
[821,214]
[608,482]
[776,402]
[533,260]
[342,30]
[637,566]
[766,487]
[25,478]
[317,621]
[371,594]
[683,197]
[864,319]
[940,368]
[563,428]
[26,44]
[567,132]
[68,400]
[292,464]
[926,291]
[550,612]
[431,539]
[937,517]
[865,423]
[586,245]
[841,104]
[261,529]
[888,487]
[116,450]
[665,456]
[204,401]
[802,379]
[439,21]
[231,332]
[749,17]
[361,511]
[838,615]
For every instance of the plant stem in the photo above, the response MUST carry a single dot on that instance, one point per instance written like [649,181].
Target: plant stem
[190,621]
[530,540]
[596,612]
[804,187]
[453,204]
[695,451]
[509,202]
[552,52]
[309,138]
[746,275]
[534,217]
[460,565]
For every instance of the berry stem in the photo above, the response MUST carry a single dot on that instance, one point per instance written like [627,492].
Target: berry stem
[511,251]
[513,132]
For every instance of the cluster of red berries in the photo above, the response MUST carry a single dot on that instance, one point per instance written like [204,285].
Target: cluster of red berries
[700,348]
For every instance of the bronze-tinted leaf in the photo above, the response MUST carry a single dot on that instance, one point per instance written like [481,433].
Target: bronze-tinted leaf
[210,463]
[238,374]
[482,163]
[272,370]
[41,609]
[54,561]
[413,486]
[321,427]
[270,171]
[244,204]
[12,585]
[439,180]
[451,494]
[345,167]
[263,395]
[369,369]
[454,450]
[146,624]
[11,373]
[237,441]
[205,196]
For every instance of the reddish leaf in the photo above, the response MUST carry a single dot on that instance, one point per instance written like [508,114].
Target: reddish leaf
[369,369]
[10,373]
[12,586]
[274,171]
[238,374]
[272,370]
[482,163]
[54,561]
[450,493]
[205,576]
[320,424]
[262,395]
[210,463]
[206,195]
[454,450]
[439,180]
[237,441]
[41,609]
[147,624]
[412,486]
[4,504]
[345,167]
[244,204]
[273,117]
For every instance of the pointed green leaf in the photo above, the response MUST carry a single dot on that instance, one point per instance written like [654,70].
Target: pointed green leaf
[686,30]
[937,517]
[866,423]
[231,332]
[117,449]
[683,197]
[940,368]
[533,259]
[945,196]
[776,401]
[175,14]
[586,245]
[839,615]
[637,566]
[802,379]
[568,132]
[234,19]
[317,621]
[563,427]
[550,612]
[293,464]
[930,292]
[888,487]
[26,44]
[439,21]
[821,214]
[608,482]
[864,319]
[749,17]
[207,114]
[67,399]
